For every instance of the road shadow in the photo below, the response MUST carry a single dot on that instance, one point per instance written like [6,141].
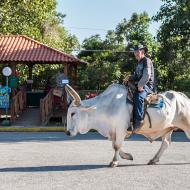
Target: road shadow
[8,137]
[77,167]
[53,168]
[158,164]
[176,137]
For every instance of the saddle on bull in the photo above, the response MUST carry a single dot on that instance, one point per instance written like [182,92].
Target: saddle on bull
[109,114]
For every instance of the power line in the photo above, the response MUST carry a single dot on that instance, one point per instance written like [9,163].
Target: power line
[97,50]
[85,28]
[102,29]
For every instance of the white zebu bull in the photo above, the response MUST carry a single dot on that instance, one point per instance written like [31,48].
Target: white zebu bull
[110,115]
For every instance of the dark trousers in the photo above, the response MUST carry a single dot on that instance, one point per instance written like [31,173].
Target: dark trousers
[139,104]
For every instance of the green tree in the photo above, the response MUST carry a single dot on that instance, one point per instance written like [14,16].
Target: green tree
[99,72]
[174,39]
[39,20]
[131,33]
[25,16]
[107,67]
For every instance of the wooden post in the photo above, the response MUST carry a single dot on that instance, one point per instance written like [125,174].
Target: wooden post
[66,69]
[75,75]
[13,90]
[30,67]
[30,71]
[71,74]
[13,66]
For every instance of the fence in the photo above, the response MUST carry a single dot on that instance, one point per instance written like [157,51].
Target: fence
[17,105]
[46,108]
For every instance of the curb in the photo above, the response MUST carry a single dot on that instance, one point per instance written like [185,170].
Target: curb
[32,129]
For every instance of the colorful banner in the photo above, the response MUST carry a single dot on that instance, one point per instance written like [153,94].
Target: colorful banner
[4,101]
[4,96]
[4,90]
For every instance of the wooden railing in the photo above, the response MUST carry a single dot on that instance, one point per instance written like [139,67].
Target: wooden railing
[17,105]
[46,108]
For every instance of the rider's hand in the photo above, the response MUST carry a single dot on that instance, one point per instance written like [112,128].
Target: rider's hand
[140,89]
[126,79]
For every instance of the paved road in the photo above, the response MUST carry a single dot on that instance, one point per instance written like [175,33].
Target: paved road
[52,161]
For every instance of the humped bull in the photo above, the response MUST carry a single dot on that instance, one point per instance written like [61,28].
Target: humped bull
[110,113]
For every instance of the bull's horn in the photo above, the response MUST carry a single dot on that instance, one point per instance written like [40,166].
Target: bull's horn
[74,94]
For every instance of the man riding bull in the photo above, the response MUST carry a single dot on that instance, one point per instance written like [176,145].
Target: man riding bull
[143,80]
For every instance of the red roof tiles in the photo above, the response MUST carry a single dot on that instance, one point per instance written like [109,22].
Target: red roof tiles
[23,49]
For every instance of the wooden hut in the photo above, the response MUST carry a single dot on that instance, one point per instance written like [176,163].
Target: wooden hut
[19,49]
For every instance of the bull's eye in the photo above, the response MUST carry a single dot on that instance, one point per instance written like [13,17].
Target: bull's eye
[72,114]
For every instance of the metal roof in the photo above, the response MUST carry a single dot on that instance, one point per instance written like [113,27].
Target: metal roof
[20,48]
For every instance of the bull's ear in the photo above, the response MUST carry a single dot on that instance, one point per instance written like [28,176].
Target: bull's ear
[70,91]
[69,99]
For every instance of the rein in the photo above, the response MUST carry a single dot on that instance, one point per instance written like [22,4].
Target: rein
[146,112]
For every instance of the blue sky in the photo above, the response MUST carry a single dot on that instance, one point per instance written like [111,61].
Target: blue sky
[98,16]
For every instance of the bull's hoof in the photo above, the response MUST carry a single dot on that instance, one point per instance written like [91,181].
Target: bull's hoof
[113,164]
[152,162]
[125,155]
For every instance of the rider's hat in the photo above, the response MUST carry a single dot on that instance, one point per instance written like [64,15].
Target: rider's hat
[139,47]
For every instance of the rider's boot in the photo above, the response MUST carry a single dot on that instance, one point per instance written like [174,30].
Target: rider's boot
[137,126]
